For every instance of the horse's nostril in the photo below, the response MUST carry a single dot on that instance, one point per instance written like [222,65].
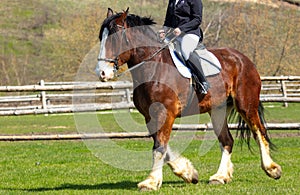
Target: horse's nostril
[102,73]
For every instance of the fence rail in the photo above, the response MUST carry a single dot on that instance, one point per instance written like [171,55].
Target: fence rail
[125,135]
[65,97]
[280,89]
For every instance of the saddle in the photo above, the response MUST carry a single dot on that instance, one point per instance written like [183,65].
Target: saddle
[209,62]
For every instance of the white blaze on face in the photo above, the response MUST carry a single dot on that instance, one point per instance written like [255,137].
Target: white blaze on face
[103,70]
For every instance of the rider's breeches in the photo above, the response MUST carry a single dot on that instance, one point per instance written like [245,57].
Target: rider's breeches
[189,43]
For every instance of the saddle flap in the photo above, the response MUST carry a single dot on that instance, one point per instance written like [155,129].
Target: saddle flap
[209,62]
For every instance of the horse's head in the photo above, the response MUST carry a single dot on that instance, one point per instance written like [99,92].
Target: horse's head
[117,40]
[109,58]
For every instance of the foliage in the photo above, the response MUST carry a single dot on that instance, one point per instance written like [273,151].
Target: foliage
[268,36]
[48,39]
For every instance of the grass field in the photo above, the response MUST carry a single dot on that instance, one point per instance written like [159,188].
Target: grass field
[35,124]
[69,167]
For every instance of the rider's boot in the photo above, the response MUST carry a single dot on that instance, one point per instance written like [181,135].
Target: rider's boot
[202,84]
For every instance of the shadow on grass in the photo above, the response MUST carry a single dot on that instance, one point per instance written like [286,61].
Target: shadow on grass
[103,186]
[124,185]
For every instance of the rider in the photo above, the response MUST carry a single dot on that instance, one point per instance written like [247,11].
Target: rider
[186,16]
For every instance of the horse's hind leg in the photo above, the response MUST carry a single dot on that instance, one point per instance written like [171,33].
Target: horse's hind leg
[271,168]
[252,117]
[225,171]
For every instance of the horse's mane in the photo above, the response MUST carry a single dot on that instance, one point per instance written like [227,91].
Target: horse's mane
[132,21]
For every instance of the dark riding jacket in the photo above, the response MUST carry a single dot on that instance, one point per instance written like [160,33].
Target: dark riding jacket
[186,15]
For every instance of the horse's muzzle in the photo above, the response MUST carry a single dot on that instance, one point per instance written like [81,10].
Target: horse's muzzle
[105,72]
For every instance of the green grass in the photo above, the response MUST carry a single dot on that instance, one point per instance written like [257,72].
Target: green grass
[276,112]
[36,124]
[68,167]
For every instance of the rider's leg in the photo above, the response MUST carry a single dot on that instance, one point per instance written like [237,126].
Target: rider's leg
[194,63]
[189,43]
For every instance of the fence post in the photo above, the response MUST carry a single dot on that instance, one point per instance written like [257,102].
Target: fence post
[43,96]
[128,95]
[284,92]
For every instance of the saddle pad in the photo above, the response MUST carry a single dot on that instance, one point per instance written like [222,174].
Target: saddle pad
[210,64]
[183,70]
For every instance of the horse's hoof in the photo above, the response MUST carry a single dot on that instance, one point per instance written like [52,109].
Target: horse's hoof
[195,179]
[216,182]
[149,185]
[219,179]
[146,189]
[274,171]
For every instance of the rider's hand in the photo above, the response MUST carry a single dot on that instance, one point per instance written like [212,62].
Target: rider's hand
[177,31]
[162,34]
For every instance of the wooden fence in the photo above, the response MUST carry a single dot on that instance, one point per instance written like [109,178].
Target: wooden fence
[65,97]
[280,89]
[124,135]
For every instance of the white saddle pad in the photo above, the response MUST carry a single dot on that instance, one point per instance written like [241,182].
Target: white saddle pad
[209,62]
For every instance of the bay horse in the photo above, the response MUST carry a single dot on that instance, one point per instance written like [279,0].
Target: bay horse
[161,94]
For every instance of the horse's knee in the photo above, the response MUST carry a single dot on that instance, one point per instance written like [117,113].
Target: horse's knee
[159,153]
[158,146]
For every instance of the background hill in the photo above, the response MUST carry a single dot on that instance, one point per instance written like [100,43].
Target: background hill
[48,39]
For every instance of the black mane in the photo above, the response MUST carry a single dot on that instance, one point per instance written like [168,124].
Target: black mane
[131,19]
[135,20]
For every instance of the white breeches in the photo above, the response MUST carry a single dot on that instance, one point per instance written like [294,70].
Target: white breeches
[189,43]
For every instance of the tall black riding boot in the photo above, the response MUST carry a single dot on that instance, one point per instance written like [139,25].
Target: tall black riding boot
[202,84]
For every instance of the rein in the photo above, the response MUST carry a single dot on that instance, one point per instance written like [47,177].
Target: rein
[149,58]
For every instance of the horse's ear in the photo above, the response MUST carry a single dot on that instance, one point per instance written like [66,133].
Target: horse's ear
[110,12]
[122,18]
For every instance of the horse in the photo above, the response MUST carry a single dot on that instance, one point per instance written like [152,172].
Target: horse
[161,95]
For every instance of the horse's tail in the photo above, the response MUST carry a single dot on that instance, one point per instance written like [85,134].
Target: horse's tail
[243,130]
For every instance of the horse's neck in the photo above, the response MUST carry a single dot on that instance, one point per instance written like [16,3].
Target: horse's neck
[157,68]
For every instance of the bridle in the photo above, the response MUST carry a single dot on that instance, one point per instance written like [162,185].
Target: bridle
[115,61]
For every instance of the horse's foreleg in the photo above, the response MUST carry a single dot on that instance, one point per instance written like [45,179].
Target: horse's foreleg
[225,171]
[163,122]
[154,180]
[181,167]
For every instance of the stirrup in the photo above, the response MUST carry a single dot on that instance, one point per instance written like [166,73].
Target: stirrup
[205,87]
[201,87]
